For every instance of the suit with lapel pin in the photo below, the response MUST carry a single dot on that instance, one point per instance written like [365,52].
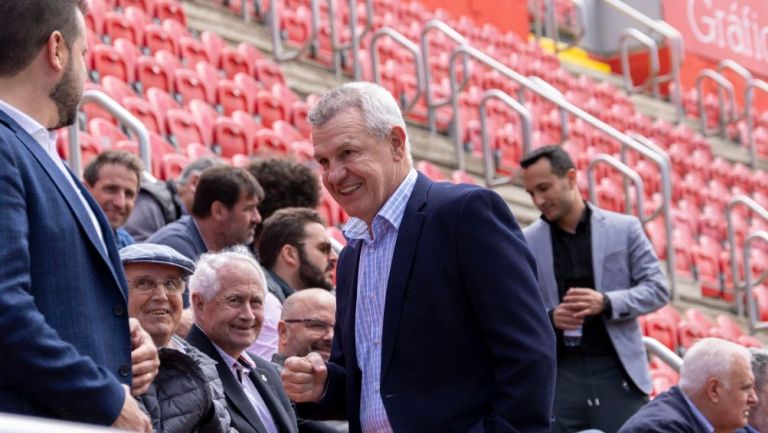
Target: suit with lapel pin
[266,379]
[466,343]
[64,333]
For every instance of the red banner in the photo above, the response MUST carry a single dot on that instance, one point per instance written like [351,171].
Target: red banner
[720,29]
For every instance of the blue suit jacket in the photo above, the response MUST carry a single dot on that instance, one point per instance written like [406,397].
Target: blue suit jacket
[667,413]
[626,270]
[467,345]
[64,337]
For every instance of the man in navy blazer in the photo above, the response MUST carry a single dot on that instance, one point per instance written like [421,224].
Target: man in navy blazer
[439,324]
[65,339]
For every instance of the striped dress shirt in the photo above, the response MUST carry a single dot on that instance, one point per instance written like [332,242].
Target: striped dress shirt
[378,246]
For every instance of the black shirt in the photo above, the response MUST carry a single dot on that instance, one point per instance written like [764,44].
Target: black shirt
[572,260]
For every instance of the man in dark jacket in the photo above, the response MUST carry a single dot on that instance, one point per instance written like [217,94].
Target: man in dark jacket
[187,394]
[715,394]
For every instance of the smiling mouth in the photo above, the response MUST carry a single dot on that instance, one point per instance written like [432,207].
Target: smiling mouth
[159,312]
[347,190]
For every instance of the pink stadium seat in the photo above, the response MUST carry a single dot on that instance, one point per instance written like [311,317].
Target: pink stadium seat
[192,51]
[94,19]
[285,130]
[156,38]
[89,147]
[296,24]
[182,128]
[106,133]
[210,76]
[431,171]
[298,116]
[204,115]
[147,6]
[662,329]
[250,125]
[197,150]
[232,98]
[269,144]
[189,86]
[175,28]
[249,86]
[143,111]
[230,136]
[170,9]
[302,151]
[213,46]
[107,60]
[270,108]
[730,329]
[749,341]
[150,72]
[118,25]
[233,61]
[172,165]
[250,52]
[460,176]
[161,102]
[268,72]
[117,88]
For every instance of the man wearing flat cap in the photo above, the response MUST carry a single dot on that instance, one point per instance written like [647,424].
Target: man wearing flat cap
[187,380]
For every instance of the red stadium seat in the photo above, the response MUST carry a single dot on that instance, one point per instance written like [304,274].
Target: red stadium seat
[106,133]
[117,88]
[143,111]
[230,136]
[156,38]
[192,51]
[89,148]
[662,329]
[170,9]
[431,171]
[150,72]
[182,128]
[197,150]
[250,87]
[730,329]
[270,108]
[296,24]
[460,176]
[268,144]
[233,61]
[213,45]
[172,165]
[147,6]
[250,52]
[210,75]
[232,98]
[189,86]
[107,60]
[303,152]
[118,25]
[286,131]
[268,73]
[205,116]
[242,161]
[298,116]
[161,102]
[94,19]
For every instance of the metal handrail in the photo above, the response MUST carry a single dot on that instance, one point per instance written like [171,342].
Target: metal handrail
[624,169]
[553,28]
[123,116]
[409,45]
[459,39]
[723,117]
[661,158]
[676,50]
[277,43]
[354,44]
[526,129]
[663,353]
[653,51]
[556,93]
[754,323]
[757,210]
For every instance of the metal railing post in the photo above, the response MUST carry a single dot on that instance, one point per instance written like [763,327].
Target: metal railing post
[723,117]
[408,45]
[758,211]
[526,130]
[663,353]
[627,172]
[755,324]
[653,52]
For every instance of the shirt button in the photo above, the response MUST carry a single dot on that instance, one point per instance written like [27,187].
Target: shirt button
[118,309]
[377,341]
[124,370]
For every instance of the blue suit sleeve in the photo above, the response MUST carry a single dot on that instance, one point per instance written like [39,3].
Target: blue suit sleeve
[499,274]
[35,363]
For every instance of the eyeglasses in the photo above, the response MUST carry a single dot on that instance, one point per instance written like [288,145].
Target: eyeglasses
[312,324]
[146,285]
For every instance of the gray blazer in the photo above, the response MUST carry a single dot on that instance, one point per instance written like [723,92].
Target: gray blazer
[626,270]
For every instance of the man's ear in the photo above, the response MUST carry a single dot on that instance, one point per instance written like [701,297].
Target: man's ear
[712,389]
[572,177]
[282,331]
[56,51]
[397,139]
[218,209]
[290,254]
[198,304]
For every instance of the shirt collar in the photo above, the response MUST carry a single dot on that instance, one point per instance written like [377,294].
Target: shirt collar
[247,363]
[697,413]
[391,212]
[586,214]
[46,138]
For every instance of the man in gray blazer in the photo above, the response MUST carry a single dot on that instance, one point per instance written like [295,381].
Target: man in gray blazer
[597,274]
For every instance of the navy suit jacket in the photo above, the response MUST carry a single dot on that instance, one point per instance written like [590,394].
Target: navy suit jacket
[667,413]
[64,340]
[467,345]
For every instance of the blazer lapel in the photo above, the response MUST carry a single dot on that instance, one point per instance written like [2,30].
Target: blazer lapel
[232,388]
[402,261]
[348,342]
[599,240]
[543,250]
[277,410]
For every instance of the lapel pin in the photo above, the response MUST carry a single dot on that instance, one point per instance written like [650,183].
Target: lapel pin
[263,377]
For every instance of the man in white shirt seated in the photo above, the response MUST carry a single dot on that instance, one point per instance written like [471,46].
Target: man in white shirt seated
[187,394]
[715,393]
[228,291]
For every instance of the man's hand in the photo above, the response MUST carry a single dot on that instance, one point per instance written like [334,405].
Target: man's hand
[564,317]
[304,378]
[144,360]
[185,324]
[584,302]
[131,418]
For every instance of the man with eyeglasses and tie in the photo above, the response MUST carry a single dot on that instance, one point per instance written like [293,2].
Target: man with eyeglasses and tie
[306,325]
[295,252]
[228,291]
[186,395]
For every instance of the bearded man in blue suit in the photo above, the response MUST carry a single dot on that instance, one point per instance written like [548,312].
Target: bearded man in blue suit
[68,349]
[439,324]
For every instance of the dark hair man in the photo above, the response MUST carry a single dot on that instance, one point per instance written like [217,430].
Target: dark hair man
[439,325]
[597,273]
[113,178]
[69,349]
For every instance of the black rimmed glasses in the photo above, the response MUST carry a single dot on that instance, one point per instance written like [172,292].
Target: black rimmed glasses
[312,324]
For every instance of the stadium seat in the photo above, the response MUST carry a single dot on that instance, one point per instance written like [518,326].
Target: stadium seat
[89,147]
[231,98]
[107,133]
[161,102]
[192,51]
[213,44]
[117,88]
[431,171]
[197,150]
[150,72]
[230,136]
[118,25]
[156,38]
[204,115]
[107,60]
[268,73]
[183,129]
[143,111]
[170,9]
[303,152]
[172,165]
[148,6]
[189,86]
[286,131]
[250,52]
[94,19]
[298,117]
[270,108]
[233,61]
[267,143]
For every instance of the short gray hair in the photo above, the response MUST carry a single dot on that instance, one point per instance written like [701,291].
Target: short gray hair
[197,166]
[377,106]
[710,357]
[206,279]
[759,366]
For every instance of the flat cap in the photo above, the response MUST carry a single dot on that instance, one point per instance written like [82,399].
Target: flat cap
[155,253]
